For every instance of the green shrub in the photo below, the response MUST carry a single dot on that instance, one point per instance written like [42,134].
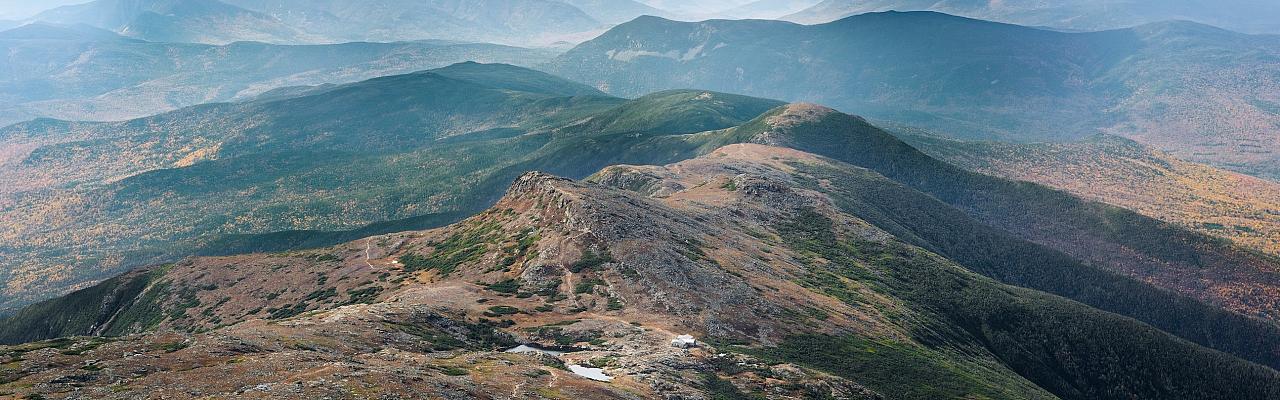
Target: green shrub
[502,310]
[590,261]
[505,286]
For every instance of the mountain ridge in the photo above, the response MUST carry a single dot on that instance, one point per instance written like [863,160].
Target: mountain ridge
[1171,85]
[1248,16]
[590,254]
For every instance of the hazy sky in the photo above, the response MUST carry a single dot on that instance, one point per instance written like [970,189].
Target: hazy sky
[18,9]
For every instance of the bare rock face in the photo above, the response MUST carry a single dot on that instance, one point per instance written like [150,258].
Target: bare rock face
[642,180]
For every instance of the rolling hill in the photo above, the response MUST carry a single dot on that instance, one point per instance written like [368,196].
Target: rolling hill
[1253,16]
[78,72]
[1176,86]
[813,301]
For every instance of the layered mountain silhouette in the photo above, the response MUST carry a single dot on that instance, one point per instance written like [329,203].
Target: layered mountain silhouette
[334,21]
[79,72]
[702,7]
[502,21]
[1177,85]
[767,9]
[1253,16]
[615,11]
[200,21]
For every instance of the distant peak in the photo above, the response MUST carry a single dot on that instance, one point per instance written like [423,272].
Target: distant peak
[650,18]
[797,114]
[806,108]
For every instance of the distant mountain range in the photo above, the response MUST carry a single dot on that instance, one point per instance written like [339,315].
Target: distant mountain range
[495,21]
[539,22]
[1250,16]
[698,7]
[766,9]
[731,9]
[616,11]
[1176,85]
[78,72]
[181,21]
